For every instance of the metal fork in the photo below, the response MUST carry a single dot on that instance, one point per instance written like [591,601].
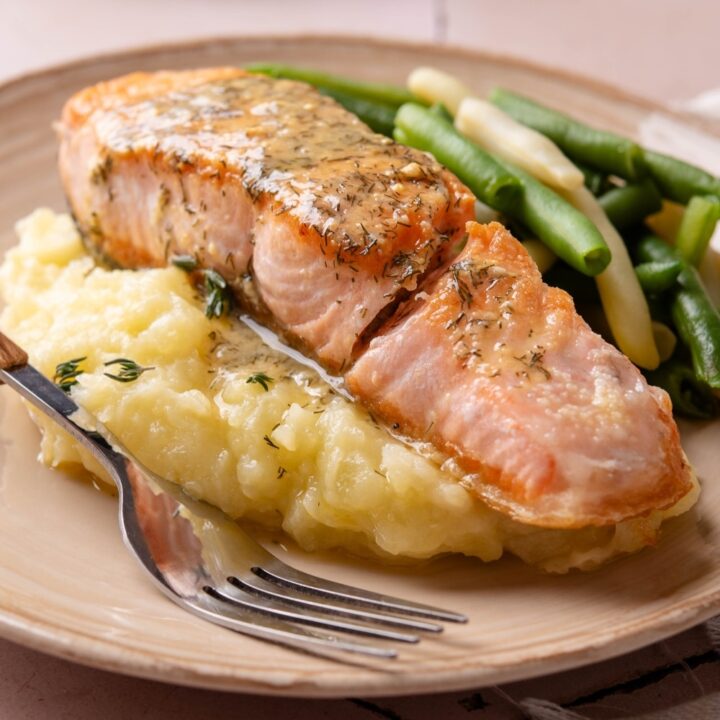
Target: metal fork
[203,561]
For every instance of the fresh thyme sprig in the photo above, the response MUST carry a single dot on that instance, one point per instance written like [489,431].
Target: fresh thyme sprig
[66,373]
[261,379]
[217,294]
[129,370]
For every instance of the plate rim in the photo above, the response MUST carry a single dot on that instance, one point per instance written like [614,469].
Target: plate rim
[97,652]
[596,85]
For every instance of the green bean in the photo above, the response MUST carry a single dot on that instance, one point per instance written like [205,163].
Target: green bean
[695,318]
[628,205]
[599,149]
[378,116]
[401,136]
[690,397]
[566,231]
[492,184]
[595,181]
[656,277]
[440,110]
[678,180]
[697,227]
[377,92]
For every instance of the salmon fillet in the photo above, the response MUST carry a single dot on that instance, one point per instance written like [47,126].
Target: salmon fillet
[348,244]
[497,369]
[265,181]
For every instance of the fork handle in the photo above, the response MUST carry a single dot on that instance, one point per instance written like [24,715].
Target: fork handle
[11,355]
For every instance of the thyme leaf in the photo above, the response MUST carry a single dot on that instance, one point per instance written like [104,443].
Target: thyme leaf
[261,379]
[129,370]
[66,373]
[217,294]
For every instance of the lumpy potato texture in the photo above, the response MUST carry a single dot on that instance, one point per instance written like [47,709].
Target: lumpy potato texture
[297,456]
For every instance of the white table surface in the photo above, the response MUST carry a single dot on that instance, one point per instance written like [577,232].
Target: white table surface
[667,50]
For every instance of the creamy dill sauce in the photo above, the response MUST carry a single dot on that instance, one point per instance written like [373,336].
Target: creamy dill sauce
[240,350]
[263,342]
[356,189]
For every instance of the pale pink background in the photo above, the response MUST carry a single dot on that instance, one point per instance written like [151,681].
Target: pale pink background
[668,50]
[664,49]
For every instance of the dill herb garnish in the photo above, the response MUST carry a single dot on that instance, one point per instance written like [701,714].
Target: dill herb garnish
[66,373]
[261,379]
[217,294]
[281,472]
[269,442]
[101,171]
[536,360]
[533,360]
[184,262]
[459,285]
[129,370]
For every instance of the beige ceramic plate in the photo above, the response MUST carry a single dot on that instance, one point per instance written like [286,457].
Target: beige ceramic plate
[68,587]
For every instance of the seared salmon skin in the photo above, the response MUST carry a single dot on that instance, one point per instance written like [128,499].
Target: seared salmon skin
[351,246]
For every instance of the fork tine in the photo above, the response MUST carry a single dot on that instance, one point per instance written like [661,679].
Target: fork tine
[279,573]
[254,624]
[333,609]
[274,610]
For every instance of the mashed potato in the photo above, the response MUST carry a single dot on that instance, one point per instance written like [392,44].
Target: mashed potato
[297,456]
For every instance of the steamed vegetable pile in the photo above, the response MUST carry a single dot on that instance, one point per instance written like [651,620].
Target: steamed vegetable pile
[583,201]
